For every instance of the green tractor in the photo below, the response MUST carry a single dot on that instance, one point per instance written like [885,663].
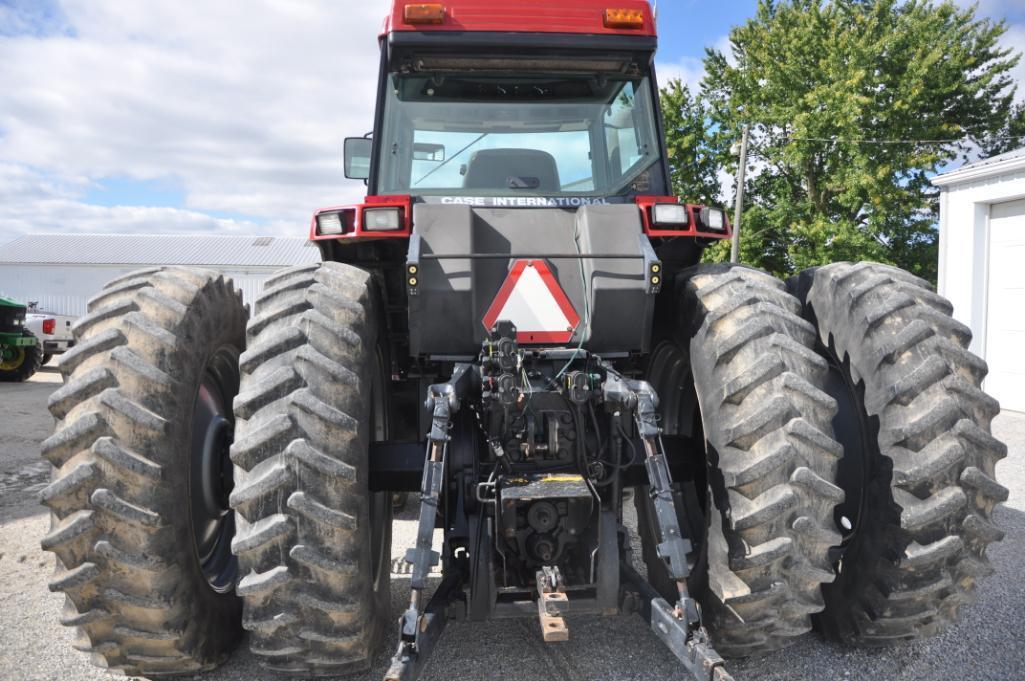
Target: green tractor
[20,354]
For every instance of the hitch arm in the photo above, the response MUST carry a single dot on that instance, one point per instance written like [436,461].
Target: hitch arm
[691,647]
[419,628]
[409,661]
[678,626]
[639,398]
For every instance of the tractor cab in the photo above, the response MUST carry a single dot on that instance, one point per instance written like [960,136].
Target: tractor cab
[511,134]
[513,119]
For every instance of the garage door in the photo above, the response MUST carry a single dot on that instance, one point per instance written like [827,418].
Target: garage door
[1005,319]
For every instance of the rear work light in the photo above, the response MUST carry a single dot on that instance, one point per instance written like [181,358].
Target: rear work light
[425,13]
[330,223]
[382,219]
[49,325]
[670,215]
[624,18]
[713,219]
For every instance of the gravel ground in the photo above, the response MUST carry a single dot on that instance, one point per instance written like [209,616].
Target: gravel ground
[987,643]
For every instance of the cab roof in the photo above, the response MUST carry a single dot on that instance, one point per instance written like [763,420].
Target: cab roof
[525,16]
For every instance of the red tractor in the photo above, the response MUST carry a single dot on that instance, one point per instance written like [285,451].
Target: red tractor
[515,325]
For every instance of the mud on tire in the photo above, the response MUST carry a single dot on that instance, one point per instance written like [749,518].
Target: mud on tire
[746,354]
[314,557]
[120,526]
[923,490]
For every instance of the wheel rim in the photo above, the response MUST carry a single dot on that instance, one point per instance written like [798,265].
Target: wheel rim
[211,475]
[853,431]
[13,358]
[666,372]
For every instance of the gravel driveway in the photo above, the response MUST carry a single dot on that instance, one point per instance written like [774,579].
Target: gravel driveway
[987,643]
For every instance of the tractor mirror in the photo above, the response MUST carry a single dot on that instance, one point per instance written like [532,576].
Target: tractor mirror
[357,157]
[424,151]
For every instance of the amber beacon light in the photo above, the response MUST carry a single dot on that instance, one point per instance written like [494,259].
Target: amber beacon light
[425,13]
[623,18]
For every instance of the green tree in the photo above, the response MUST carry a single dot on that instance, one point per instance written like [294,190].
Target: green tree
[694,159]
[1010,136]
[852,105]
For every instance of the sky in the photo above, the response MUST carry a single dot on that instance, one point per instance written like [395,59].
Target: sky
[227,117]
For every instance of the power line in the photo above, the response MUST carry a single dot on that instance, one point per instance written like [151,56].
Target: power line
[842,140]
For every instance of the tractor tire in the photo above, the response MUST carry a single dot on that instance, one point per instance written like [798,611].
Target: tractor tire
[742,351]
[313,542]
[26,362]
[919,458]
[153,374]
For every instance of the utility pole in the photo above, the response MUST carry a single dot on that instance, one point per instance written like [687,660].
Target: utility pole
[742,172]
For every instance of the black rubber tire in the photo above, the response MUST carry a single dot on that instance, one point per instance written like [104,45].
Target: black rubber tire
[746,351]
[46,359]
[29,365]
[920,539]
[126,557]
[306,536]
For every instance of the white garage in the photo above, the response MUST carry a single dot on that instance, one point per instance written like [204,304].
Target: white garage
[982,265]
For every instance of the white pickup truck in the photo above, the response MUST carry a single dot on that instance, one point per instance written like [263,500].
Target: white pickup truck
[52,330]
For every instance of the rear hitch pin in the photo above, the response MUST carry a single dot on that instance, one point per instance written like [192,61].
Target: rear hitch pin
[552,604]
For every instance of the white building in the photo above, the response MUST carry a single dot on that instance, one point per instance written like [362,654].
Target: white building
[982,265]
[62,271]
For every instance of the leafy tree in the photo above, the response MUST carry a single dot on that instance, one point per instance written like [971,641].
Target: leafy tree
[693,162]
[852,105]
[1010,136]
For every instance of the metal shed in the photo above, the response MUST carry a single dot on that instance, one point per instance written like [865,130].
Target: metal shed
[982,251]
[62,271]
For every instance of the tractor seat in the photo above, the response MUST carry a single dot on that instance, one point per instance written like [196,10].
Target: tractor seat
[528,169]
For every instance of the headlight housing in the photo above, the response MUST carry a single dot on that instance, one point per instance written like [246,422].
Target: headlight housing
[330,223]
[713,219]
[382,219]
[670,215]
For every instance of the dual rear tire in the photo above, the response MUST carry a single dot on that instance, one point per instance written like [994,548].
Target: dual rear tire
[139,518]
[145,498]
[850,465]
[313,543]
[918,469]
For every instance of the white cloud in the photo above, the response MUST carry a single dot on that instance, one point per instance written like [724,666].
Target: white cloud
[991,8]
[1015,39]
[243,104]
[690,70]
[33,202]
[724,46]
